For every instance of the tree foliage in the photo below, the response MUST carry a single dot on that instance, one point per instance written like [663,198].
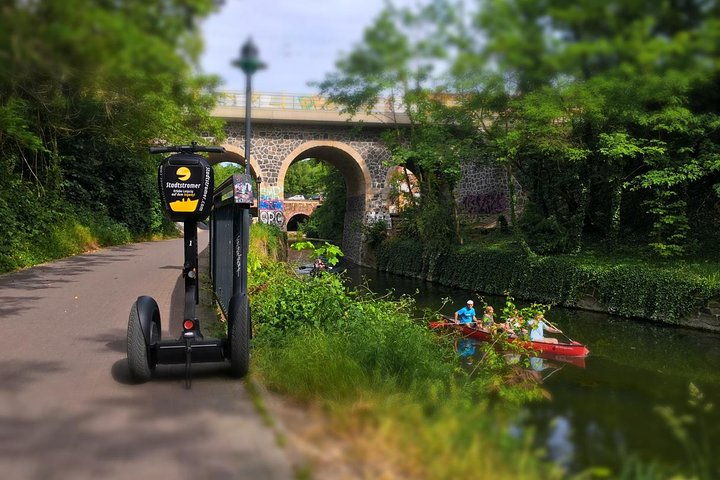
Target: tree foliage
[328,219]
[85,87]
[306,177]
[611,86]
[605,111]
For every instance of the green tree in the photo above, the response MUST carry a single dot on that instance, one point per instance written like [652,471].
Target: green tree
[589,104]
[620,76]
[306,177]
[85,87]
[222,171]
[395,65]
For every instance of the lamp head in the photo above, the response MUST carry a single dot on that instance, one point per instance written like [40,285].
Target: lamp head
[249,61]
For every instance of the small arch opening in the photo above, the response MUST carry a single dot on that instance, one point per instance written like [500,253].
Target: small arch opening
[293,225]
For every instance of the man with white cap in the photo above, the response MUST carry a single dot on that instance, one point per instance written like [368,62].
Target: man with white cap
[466,314]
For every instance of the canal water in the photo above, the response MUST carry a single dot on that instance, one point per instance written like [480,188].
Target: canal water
[630,400]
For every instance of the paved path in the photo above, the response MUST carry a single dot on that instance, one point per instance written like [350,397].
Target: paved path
[67,408]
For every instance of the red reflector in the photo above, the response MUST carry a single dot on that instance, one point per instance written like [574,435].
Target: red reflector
[188,324]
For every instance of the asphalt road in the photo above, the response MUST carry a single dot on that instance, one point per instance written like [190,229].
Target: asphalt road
[67,407]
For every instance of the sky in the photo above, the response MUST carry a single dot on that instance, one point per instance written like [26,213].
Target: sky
[300,41]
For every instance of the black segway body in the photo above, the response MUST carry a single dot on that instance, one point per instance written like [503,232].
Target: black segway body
[186,185]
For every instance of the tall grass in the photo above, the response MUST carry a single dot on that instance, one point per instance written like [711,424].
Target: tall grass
[392,385]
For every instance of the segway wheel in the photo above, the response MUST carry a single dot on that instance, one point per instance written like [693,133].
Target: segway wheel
[140,359]
[239,335]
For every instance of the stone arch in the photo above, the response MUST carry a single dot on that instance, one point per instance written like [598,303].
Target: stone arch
[294,222]
[358,181]
[356,174]
[387,188]
[235,154]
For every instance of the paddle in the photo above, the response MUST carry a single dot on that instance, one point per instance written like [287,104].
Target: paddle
[449,322]
[559,331]
[441,324]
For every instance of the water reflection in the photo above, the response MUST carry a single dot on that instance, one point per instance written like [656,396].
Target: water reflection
[603,413]
[538,364]
[559,441]
[466,348]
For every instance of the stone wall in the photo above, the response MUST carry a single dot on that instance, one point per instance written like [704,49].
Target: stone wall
[707,316]
[483,195]
[482,191]
[272,144]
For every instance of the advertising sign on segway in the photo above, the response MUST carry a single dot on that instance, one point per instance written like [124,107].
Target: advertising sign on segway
[185,182]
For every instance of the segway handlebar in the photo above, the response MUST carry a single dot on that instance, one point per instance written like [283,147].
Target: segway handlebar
[192,148]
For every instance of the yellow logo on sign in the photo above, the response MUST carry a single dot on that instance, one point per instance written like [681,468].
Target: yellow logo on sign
[183,173]
[185,205]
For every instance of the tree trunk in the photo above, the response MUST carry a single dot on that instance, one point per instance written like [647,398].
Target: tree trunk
[413,202]
[448,200]
[577,221]
[615,203]
[517,233]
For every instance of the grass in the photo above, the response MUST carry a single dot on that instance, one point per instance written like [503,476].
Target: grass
[391,388]
[429,429]
[62,236]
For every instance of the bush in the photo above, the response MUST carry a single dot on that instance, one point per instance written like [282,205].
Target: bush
[106,231]
[644,291]
[40,229]
[401,256]
[375,233]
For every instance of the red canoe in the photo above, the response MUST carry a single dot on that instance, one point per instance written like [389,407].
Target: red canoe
[554,350]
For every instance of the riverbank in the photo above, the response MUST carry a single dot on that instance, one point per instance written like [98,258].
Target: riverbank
[635,370]
[387,395]
[672,295]
[382,404]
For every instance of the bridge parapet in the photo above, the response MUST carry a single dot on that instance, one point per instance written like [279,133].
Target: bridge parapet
[288,108]
[286,101]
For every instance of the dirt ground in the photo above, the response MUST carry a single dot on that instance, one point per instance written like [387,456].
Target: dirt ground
[318,452]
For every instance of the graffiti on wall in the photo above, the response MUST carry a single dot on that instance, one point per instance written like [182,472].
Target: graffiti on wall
[484,203]
[272,217]
[270,207]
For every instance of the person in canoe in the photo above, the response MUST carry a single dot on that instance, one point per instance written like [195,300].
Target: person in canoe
[539,327]
[466,315]
[488,319]
[514,323]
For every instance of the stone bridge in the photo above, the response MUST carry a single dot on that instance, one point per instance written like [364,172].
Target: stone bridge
[297,211]
[288,128]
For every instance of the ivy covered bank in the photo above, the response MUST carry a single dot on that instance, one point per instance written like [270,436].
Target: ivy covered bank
[668,294]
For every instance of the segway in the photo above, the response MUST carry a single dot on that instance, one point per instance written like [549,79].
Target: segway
[185,181]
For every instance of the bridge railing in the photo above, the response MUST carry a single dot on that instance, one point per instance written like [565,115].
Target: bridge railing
[285,101]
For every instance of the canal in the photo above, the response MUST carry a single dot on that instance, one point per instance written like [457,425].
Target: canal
[631,400]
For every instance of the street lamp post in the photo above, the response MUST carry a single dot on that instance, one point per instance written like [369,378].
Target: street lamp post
[249,62]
